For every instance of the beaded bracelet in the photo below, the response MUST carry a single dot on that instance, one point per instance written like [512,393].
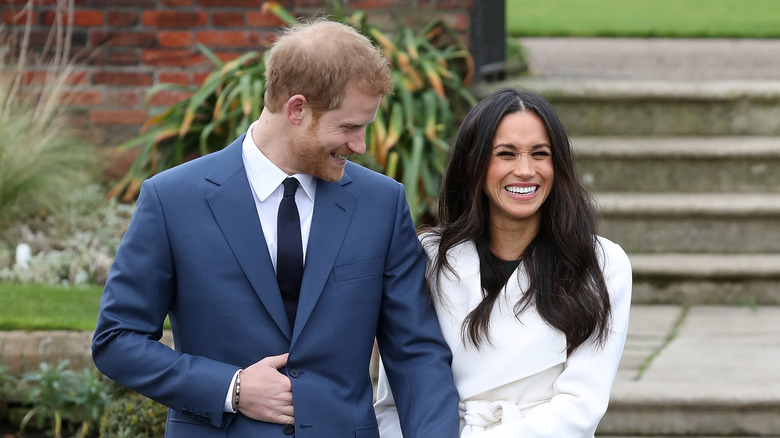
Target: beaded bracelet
[238,389]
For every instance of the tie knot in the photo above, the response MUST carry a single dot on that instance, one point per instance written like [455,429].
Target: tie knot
[290,186]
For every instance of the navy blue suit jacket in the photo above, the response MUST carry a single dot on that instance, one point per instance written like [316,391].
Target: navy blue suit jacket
[195,251]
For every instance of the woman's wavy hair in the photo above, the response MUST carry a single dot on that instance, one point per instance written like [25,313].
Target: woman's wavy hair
[567,286]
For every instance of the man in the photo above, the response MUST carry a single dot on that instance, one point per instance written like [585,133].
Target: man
[263,350]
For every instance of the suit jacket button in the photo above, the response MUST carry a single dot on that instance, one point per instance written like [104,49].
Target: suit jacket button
[288,429]
[294,373]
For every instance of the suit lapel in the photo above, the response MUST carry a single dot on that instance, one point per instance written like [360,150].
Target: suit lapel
[333,210]
[233,207]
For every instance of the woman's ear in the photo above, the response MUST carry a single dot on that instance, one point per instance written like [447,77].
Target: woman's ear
[297,108]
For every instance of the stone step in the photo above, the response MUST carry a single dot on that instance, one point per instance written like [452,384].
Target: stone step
[723,279]
[657,108]
[707,371]
[691,222]
[679,164]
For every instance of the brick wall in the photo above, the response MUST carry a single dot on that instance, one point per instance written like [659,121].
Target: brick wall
[126,46]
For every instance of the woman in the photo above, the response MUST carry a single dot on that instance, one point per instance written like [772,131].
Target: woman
[534,305]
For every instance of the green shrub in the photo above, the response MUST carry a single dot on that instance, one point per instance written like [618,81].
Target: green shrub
[59,396]
[408,141]
[74,246]
[133,416]
[41,159]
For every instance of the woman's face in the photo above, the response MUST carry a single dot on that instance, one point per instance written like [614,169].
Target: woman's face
[520,171]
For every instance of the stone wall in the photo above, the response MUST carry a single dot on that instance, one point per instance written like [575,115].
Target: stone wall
[126,46]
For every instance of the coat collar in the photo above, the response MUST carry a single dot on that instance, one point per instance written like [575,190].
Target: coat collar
[231,204]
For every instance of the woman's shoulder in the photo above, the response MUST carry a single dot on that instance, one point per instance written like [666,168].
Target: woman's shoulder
[611,253]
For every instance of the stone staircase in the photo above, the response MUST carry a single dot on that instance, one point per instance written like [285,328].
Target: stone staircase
[689,191]
[685,167]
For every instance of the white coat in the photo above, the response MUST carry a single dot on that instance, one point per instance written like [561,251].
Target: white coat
[523,385]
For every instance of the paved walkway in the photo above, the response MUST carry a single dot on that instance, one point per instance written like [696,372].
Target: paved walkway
[703,368]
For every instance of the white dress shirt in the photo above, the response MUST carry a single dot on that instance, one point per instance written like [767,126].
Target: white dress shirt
[265,179]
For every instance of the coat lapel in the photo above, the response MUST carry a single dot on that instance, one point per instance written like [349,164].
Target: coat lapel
[233,207]
[333,210]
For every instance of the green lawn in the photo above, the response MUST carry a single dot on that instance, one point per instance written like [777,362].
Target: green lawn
[644,18]
[40,307]
[34,306]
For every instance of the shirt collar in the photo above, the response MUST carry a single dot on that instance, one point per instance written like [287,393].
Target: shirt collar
[264,176]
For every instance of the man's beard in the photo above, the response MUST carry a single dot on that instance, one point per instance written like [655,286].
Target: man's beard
[311,157]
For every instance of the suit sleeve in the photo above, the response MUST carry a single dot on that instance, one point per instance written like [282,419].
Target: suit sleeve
[414,354]
[582,389]
[136,299]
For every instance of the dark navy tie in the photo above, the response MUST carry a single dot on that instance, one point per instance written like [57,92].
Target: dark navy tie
[289,249]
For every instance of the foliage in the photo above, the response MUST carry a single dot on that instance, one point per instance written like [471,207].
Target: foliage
[408,141]
[133,416]
[41,159]
[7,380]
[75,245]
[83,404]
[58,394]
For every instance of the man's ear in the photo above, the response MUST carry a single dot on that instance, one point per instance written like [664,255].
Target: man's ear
[297,109]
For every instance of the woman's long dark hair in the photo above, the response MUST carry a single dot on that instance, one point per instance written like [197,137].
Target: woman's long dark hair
[566,283]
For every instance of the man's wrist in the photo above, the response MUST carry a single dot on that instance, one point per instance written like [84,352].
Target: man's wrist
[237,391]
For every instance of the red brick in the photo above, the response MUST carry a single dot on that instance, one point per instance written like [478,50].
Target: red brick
[263,19]
[199,77]
[24,2]
[139,4]
[454,4]
[119,117]
[459,22]
[231,3]
[173,77]
[122,18]
[114,57]
[172,58]
[227,19]
[228,38]
[77,77]
[118,58]
[80,18]
[82,97]
[32,77]
[377,4]
[174,39]
[123,98]
[121,79]
[124,39]
[174,19]
[17,18]
[168,97]
[306,3]
[177,3]
[228,56]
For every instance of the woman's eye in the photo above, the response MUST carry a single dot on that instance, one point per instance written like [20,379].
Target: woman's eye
[541,154]
[506,154]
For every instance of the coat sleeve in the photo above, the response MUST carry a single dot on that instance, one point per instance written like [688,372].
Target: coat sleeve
[415,356]
[582,389]
[135,301]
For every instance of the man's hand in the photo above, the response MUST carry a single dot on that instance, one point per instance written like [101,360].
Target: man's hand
[266,394]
